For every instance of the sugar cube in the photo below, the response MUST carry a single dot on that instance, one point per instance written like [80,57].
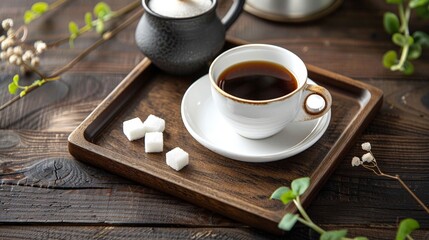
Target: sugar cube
[134,129]
[177,158]
[154,124]
[153,142]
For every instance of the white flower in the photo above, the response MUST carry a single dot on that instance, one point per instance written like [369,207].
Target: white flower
[4,56]
[40,46]
[9,51]
[2,37]
[7,24]
[18,61]
[17,50]
[356,162]
[11,33]
[35,62]
[8,42]
[27,56]
[13,59]
[366,146]
[367,157]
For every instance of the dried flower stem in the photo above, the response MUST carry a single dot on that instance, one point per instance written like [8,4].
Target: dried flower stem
[373,166]
[397,177]
[24,31]
[41,75]
[411,192]
[54,76]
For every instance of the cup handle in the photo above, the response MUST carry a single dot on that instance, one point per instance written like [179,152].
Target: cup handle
[317,102]
[233,13]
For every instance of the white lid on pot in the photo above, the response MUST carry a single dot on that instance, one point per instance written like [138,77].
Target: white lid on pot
[179,8]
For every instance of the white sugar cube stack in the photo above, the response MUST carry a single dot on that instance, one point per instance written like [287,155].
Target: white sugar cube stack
[177,158]
[135,129]
[152,130]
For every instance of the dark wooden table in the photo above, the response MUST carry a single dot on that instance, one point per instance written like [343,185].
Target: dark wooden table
[46,194]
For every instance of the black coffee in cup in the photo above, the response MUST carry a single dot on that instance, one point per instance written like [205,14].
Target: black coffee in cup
[257,80]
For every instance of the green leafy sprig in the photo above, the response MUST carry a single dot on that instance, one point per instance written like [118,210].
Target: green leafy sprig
[102,14]
[40,8]
[14,86]
[16,55]
[398,26]
[292,195]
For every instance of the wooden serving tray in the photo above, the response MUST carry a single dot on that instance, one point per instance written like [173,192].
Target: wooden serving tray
[238,190]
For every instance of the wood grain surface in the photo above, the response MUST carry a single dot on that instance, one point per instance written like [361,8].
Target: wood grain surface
[46,194]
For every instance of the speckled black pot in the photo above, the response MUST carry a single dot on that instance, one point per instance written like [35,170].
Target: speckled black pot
[184,45]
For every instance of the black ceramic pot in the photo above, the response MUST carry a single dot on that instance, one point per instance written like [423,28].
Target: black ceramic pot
[184,45]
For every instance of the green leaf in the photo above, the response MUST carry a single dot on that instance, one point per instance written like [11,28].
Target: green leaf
[399,39]
[12,88]
[394,1]
[391,23]
[279,192]
[422,11]
[88,19]
[286,197]
[71,40]
[288,221]
[22,93]
[73,28]
[40,7]
[29,16]
[300,185]
[414,52]
[101,10]
[410,40]
[360,238]
[99,27]
[390,58]
[417,3]
[421,38]
[406,227]
[16,79]
[333,235]
[408,68]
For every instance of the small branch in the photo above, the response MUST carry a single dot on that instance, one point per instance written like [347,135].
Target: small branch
[52,7]
[24,31]
[106,36]
[41,75]
[57,4]
[14,99]
[125,10]
[412,193]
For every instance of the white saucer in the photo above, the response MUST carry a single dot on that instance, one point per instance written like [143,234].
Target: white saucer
[206,125]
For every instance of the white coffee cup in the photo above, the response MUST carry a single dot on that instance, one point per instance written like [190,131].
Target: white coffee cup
[257,119]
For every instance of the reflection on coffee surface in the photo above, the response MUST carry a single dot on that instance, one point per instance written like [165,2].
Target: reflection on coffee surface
[179,8]
[257,80]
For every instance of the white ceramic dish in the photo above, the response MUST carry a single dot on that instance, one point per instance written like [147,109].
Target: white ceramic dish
[205,124]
